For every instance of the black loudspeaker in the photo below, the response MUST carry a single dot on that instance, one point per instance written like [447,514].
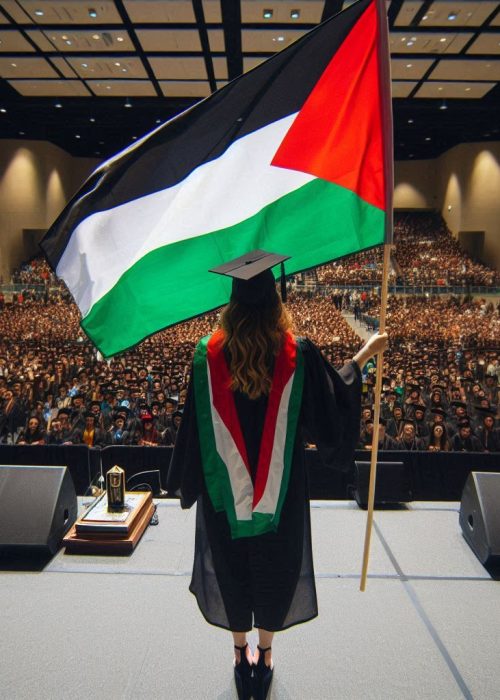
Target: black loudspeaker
[38,505]
[393,484]
[480,516]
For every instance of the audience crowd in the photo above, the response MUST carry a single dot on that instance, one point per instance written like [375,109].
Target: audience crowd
[441,371]
[425,254]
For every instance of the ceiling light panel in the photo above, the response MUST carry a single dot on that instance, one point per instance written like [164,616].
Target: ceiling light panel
[40,40]
[468,14]
[71,12]
[455,90]
[12,40]
[26,67]
[186,67]
[252,11]
[185,88]
[15,11]
[404,68]
[169,39]
[50,88]
[212,11]
[62,65]
[147,12]
[127,67]
[472,69]
[88,40]
[427,42]
[407,13]
[178,68]
[486,43]
[122,88]
[216,40]
[268,40]
[402,88]
[250,62]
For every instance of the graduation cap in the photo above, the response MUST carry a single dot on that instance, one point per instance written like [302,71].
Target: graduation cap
[486,410]
[413,386]
[253,281]
[439,411]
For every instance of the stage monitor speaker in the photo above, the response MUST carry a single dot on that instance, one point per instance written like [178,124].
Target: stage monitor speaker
[393,484]
[38,505]
[480,516]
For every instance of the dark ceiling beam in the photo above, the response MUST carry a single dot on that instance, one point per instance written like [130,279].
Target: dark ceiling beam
[393,12]
[231,20]
[205,44]
[137,45]
[421,13]
[484,28]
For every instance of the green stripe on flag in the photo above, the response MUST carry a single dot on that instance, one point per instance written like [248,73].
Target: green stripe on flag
[171,283]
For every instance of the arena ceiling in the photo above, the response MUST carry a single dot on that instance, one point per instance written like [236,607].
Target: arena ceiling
[93,76]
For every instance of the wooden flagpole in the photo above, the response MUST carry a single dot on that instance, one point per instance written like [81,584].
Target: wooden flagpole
[376,418]
[386,113]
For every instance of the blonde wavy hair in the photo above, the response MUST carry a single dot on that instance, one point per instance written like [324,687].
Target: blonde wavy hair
[253,337]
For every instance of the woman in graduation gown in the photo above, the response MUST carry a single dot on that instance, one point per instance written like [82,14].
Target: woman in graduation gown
[257,393]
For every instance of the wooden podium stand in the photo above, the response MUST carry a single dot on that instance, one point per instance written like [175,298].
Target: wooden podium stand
[100,536]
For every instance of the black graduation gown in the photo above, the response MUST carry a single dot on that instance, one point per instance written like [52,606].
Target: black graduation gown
[267,581]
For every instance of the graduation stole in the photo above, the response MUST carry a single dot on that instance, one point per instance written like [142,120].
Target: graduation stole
[251,510]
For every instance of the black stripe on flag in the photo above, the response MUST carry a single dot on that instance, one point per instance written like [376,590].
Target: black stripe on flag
[271,91]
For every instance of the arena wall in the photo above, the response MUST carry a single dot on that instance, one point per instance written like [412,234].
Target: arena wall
[415,184]
[468,189]
[36,180]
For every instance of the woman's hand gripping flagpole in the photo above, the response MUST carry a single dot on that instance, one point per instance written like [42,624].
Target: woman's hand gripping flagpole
[376,418]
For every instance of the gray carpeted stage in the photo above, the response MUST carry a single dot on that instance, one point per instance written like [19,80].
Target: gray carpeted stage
[110,627]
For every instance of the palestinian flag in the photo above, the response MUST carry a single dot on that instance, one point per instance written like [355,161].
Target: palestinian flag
[293,157]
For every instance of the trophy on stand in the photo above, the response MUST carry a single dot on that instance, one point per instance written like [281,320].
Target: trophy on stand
[115,488]
[114,522]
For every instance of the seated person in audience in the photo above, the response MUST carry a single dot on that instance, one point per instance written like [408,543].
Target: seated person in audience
[92,435]
[388,404]
[421,427]
[61,432]
[150,436]
[464,440]
[117,434]
[12,414]
[170,433]
[395,424]
[408,440]
[385,442]
[54,434]
[33,434]
[438,439]
[488,434]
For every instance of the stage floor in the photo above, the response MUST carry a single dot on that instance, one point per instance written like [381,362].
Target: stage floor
[427,625]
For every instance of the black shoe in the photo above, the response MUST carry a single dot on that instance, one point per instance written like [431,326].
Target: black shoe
[262,676]
[243,675]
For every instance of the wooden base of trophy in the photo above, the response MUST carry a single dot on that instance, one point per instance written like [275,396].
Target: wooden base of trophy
[101,537]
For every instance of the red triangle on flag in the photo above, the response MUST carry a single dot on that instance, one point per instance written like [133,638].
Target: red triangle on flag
[337,135]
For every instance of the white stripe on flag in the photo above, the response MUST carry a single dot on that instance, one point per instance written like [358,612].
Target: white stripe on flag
[216,195]
[269,499]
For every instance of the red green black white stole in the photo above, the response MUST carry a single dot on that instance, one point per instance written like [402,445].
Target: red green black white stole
[251,510]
